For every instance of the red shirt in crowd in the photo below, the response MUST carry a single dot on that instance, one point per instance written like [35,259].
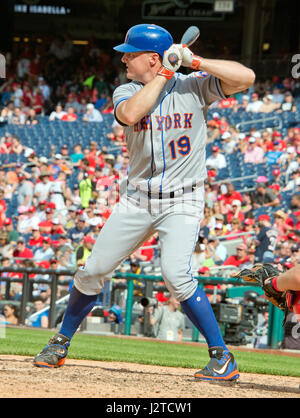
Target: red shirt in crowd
[232,260]
[36,242]
[58,230]
[27,98]
[229,198]
[227,103]
[26,253]
[230,216]
[105,214]
[147,252]
[38,103]
[293,224]
[110,109]
[99,160]
[46,226]
[69,117]
[2,210]
[269,145]
[35,67]
[91,160]
[119,138]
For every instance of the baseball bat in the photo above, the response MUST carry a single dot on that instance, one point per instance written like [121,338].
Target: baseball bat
[188,38]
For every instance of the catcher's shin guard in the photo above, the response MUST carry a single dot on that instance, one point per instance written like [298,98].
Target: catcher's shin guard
[55,352]
[221,366]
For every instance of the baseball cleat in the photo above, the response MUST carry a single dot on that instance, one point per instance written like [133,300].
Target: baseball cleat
[55,352]
[221,366]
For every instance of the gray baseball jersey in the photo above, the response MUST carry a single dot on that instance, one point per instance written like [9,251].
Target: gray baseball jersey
[167,147]
[167,156]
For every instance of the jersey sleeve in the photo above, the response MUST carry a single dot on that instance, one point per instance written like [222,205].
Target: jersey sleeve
[124,92]
[209,87]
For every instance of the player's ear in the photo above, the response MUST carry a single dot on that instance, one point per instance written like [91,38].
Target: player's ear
[154,57]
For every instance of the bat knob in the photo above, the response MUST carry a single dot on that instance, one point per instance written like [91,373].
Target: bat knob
[173,58]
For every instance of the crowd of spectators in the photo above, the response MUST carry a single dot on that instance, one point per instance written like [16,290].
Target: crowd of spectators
[53,221]
[230,215]
[59,79]
[266,235]
[260,146]
[56,225]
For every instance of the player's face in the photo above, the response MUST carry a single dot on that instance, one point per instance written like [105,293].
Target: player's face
[138,64]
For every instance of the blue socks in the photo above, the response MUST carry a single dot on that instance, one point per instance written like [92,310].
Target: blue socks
[197,308]
[78,308]
[199,311]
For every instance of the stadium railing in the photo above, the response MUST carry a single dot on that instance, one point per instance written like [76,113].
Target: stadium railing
[255,122]
[27,282]
[275,329]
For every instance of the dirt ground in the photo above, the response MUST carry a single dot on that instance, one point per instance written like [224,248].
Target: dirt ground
[96,379]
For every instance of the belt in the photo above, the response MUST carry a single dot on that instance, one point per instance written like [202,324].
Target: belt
[173,194]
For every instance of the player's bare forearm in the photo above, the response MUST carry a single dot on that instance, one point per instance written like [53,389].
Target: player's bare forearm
[234,76]
[290,279]
[134,109]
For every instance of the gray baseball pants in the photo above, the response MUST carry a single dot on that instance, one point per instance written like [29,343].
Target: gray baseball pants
[134,219]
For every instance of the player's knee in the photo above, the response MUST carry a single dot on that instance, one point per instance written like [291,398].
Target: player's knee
[90,278]
[179,283]
[95,267]
[89,284]
[184,292]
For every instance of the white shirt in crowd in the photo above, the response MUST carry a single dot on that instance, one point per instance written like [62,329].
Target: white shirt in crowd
[23,67]
[42,189]
[26,223]
[17,96]
[218,161]
[254,106]
[56,116]
[45,89]
[92,114]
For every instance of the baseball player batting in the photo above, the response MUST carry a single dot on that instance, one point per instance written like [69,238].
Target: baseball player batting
[164,115]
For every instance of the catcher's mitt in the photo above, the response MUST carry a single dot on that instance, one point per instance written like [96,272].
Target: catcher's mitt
[263,275]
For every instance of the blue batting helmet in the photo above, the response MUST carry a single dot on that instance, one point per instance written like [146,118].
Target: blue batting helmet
[146,37]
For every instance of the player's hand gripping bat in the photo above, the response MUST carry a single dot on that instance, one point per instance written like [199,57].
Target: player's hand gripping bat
[188,38]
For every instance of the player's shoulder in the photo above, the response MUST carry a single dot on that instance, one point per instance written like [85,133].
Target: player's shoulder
[195,79]
[126,90]
[130,86]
